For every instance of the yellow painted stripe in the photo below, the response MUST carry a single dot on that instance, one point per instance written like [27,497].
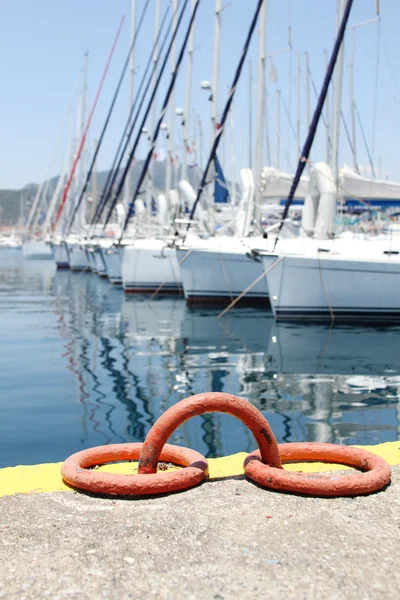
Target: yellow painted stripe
[32,479]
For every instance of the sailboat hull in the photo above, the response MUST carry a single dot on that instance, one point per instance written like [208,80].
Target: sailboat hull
[346,289]
[77,257]
[37,250]
[112,260]
[150,266]
[100,265]
[61,257]
[220,276]
[91,260]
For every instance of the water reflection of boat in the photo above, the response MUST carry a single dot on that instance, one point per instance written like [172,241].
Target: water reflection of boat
[348,376]
[35,276]
[192,351]
[341,350]
[137,357]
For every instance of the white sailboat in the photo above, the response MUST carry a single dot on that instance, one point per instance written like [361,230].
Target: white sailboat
[37,244]
[149,262]
[336,277]
[36,247]
[76,226]
[76,245]
[360,283]
[219,268]
[58,246]
[108,253]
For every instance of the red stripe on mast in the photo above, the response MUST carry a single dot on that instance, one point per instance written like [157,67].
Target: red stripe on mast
[68,184]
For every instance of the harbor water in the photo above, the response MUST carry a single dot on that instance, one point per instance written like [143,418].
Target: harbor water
[82,365]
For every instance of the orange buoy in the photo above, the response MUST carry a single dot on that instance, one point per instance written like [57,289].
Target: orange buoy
[198,405]
[376,473]
[76,470]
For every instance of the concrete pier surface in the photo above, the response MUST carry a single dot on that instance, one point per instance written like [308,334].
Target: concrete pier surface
[224,539]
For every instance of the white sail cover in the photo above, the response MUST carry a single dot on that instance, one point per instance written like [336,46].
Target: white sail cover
[356,186]
[275,184]
[245,207]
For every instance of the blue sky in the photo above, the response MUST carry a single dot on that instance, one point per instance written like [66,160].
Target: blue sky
[42,45]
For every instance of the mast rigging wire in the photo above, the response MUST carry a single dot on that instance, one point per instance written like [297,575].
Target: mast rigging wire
[82,143]
[378,46]
[164,108]
[226,111]
[365,141]
[126,136]
[130,125]
[317,114]
[110,111]
[147,112]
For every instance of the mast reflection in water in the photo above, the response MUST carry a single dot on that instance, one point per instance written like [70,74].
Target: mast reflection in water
[83,365]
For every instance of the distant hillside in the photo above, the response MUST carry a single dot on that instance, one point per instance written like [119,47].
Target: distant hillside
[13,203]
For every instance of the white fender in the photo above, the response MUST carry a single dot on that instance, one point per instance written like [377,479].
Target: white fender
[121,213]
[173,202]
[188,193]
[140,208]
[310,207]
[319,210]
[162,210]
[246,203]
[189,196]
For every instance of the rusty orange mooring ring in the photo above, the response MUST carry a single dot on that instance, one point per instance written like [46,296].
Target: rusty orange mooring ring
[198,405]
[75,470]
[377,473]
[262,466]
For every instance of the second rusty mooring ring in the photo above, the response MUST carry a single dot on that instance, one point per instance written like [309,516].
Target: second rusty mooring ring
[376,473]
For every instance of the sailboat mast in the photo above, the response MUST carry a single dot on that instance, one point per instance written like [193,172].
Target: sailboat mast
[131,89]
[168,174]
[56,194]
[166,102]
[298,103]
[81,119]
[81,164]
[150,191]
[327,117]
[94,183]
[278,128]
[73,146]
[233,156]
[225,112]
[86,129]
[215,72]
[260,110]
[132,57]
[337,96]
[21,210]
[129,129]
[353,116]
[187,99]
[308,89]
[317,113]
[34,206]
[155,54]
[250,117]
